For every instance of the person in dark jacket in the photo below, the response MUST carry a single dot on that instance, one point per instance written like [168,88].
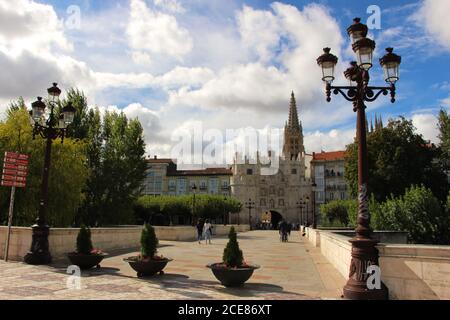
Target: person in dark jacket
[284,231]
[200,225]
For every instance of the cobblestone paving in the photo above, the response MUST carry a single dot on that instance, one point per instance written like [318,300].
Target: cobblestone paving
[289,271]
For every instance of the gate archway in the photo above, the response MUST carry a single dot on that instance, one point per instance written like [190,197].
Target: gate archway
[275,219]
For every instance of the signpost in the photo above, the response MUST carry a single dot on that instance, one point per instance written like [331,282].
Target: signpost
[14,175]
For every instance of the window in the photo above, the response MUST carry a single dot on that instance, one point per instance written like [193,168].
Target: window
[272,203]
[181,186]
[213,186]
[263,202]
[342,195]
[172,185]
[281,202]
[249,172]
[281,192]
[294,171]
[263,192]
[272,190]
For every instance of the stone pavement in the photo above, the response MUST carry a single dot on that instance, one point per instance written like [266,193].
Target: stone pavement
[289,271]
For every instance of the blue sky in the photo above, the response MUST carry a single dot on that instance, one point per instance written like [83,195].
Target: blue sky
[227,64]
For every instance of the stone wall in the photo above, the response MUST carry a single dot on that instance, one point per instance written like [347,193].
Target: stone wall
[63,240]
[416,272]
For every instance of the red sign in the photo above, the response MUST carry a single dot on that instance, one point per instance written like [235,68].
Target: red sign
[15,169]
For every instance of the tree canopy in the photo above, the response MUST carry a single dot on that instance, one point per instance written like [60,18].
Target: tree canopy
[68,172]
[398,158]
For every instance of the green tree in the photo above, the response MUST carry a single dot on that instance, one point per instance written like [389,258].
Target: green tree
[444,133]
[419,213]
[148,208]
[398,158]
[68,173]
[79,129]
[115,151]
[335,213]
[149,241]
[232,254]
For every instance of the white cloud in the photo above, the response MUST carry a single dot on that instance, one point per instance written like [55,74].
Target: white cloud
[334,140]
[170,5]
[434,16]
[294,38]
[25,24]
[178,76]
[426,125]
[156,32]
[260,31]
[446,102]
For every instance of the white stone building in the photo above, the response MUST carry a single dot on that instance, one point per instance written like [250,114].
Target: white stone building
[281,193]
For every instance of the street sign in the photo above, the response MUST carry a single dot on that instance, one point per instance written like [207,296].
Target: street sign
[14,175]
[15,170]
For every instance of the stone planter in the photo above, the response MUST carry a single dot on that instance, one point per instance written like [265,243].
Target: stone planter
[232,277]
[86,261]
[147,268]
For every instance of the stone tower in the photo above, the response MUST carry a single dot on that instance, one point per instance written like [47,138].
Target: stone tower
[293,134]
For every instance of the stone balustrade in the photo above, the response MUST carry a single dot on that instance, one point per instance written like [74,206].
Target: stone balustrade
[416,272]
[63,240]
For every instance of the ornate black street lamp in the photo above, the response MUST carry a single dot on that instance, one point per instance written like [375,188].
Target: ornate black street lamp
[49,128]
[194,190]
[364,251]
[305,203]
[300,212]
[250,205]
[224,211]
[313,189]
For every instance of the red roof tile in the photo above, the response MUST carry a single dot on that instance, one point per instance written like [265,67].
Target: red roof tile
[329,156]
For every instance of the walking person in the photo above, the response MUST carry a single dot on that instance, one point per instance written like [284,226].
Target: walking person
[200,225]
[207,231]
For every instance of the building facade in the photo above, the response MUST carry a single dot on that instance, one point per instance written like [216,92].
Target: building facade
[328,174]
[281,192]
[163,178]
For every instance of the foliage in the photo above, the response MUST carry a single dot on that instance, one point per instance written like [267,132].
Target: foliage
[398,158]
[84,242]
[419,213]
[336,213]
[149,242]
[444,133]
[68,173]
[232,255]
[115,158]
[149,208]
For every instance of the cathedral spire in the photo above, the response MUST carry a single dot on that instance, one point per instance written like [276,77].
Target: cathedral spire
[293,122]
[293,136]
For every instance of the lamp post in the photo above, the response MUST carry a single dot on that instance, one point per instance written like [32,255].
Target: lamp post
[299,212]
[49,128]
[313,188]
[224,211]
[250,205]
[364,252]
[305,202]
[194,189]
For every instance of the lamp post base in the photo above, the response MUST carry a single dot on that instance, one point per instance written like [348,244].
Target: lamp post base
[364,254]
[39,253]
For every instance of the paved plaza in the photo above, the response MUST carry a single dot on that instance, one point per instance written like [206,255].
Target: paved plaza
[289,271]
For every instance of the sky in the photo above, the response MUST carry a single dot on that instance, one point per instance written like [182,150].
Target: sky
[223,64]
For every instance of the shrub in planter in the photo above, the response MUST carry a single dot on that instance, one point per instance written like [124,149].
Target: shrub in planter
[233,271]
[148,263]
[86,257]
